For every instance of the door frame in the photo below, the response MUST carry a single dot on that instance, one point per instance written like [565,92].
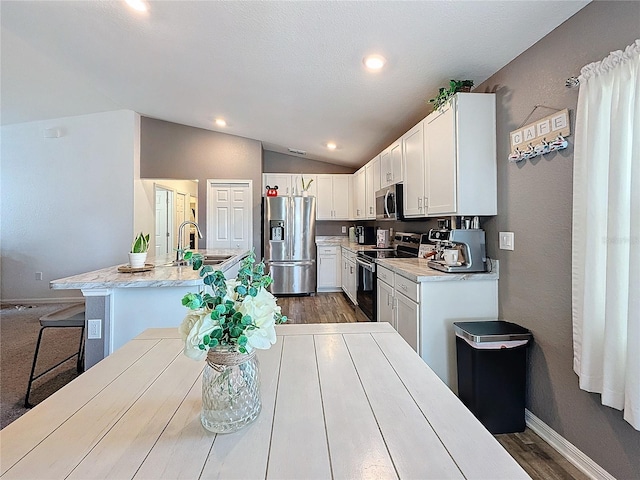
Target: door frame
[213,182]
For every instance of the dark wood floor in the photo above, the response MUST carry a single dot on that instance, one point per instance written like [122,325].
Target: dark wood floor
[539,459]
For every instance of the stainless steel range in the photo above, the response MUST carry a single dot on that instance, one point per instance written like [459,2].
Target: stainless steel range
[406,246]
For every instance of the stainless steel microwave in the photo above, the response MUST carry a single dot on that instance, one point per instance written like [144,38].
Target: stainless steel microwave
[389,203]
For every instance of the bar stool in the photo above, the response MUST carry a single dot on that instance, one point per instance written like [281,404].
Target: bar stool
[69,317]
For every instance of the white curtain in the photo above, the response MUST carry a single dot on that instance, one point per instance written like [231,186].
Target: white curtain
[606,232]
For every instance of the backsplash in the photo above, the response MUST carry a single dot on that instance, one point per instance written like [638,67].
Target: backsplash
[332,228]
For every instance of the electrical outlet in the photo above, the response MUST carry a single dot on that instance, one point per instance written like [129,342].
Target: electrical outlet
[344,229]
[94,328]
[38,275]
[506,241]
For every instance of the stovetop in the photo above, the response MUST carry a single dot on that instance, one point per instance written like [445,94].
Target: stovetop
[373,254]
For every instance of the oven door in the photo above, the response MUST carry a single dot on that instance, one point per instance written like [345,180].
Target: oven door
[366,293]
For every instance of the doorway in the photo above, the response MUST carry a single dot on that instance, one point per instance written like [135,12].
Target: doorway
[229,214]
[164,220]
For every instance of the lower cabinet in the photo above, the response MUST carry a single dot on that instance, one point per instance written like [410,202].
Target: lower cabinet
[407,313]
[423,313]
[395,307]
[385,303]
[349,275]
[328,268]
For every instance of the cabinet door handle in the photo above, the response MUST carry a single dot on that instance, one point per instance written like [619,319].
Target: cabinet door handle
[419,203]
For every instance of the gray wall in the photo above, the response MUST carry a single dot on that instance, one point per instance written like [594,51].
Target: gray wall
[170,150]
[535,202]
[274,162]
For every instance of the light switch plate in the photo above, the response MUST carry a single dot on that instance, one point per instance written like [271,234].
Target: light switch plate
[94,329]
[344,229]
[506,240]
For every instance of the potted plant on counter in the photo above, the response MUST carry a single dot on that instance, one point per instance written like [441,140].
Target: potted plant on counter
[139,250]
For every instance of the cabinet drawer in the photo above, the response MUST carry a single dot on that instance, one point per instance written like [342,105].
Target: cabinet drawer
[348,254]
[406,287]
[385,275]
[328,250]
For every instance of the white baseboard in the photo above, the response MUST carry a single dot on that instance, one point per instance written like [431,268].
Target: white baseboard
[569,451]
[41,301]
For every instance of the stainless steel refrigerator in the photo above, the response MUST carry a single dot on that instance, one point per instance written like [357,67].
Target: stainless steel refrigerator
[289,243]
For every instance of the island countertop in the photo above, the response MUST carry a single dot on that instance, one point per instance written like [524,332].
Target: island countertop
[162,275]
[338,401]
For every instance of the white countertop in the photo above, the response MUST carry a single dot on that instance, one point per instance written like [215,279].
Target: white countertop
[415,269]
[338,401]
[160,276]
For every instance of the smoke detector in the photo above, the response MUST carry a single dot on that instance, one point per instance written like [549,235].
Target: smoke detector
[297,152]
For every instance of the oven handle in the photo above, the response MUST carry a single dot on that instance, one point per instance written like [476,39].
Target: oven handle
[366,265]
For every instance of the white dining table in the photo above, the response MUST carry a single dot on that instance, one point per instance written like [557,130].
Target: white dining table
[339,401]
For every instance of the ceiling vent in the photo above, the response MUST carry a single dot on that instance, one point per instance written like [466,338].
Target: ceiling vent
[297,152]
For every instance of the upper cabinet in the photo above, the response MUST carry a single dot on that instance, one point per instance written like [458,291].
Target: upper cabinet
[289,184]
[391,164]
[333,197]
[460,149]
[413,150]
[359,194]
[370,188]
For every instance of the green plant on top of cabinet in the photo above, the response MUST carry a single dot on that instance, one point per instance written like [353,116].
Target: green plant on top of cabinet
[333,192]
[460,149]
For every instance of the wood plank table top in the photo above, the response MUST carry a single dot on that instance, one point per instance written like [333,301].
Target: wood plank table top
[350,401]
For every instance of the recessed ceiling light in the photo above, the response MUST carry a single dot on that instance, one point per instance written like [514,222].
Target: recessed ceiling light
[139,5]
[331,146]
[220,122]
[374,62]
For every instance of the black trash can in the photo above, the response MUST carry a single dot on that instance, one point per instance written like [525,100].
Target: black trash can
[492,372]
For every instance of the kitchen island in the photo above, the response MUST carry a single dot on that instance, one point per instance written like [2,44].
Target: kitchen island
[119,306]
[338,401]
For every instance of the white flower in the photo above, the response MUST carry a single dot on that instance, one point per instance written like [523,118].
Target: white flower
[262,308]
[194,327]
[231,293]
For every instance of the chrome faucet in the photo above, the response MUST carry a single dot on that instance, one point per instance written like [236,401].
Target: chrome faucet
[180,253]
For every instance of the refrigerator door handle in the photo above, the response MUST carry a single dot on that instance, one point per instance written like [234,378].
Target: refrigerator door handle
[300,263]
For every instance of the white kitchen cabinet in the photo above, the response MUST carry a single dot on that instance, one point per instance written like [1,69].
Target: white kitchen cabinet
[359,194]
[407,319]
[281,180]
[414,167]
[460,140]
[376,181]
[349,274]
[370,190]
[289,184]
[333,194]
[328,278]
[396,162]
[391,164]
[384,299]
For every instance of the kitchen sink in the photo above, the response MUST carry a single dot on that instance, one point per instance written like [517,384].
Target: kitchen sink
[206,260]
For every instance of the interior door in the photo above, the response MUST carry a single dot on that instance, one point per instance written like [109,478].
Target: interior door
[164,220]
[229,214]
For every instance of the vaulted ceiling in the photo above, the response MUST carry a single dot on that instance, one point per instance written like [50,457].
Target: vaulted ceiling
[287,73]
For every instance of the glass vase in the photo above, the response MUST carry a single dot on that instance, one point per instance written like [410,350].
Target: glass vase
[230,390]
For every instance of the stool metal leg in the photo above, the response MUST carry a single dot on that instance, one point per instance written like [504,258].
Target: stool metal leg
[33,368]
[35,360]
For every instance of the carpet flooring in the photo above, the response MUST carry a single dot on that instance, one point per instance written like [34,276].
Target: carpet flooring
[19,327]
